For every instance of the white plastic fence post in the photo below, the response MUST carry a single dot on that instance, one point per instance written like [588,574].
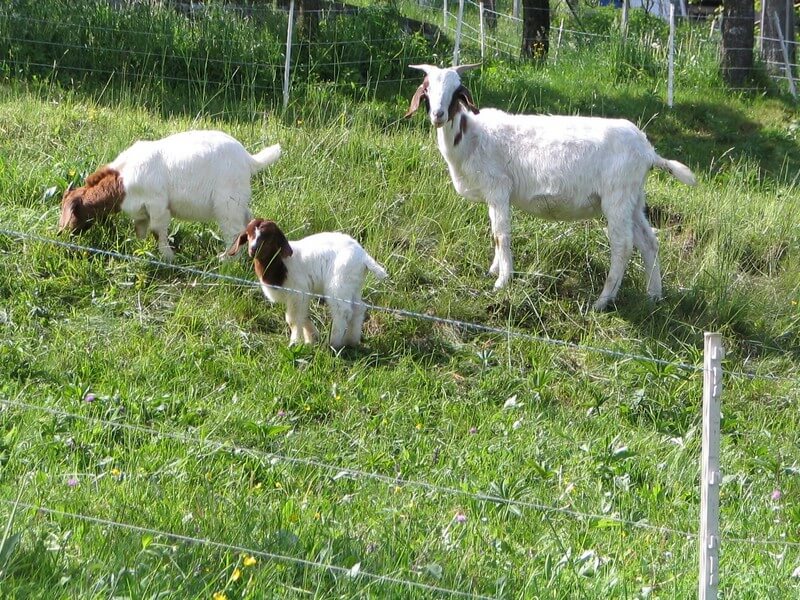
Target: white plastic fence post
[761,27]
[515,9]
[444,14]
[671,58]
[288,64]
[785,52]
[709,467]
[457,47]
[483,37]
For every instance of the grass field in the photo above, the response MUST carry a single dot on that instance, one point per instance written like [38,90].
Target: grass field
[165,400]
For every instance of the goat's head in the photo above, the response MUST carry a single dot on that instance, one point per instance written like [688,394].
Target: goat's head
[441,92]
[265,241]
[80,207]
[73,215]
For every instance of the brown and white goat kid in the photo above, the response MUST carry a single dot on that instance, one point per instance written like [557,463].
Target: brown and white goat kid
[193,175]
[329,264]
[555,167]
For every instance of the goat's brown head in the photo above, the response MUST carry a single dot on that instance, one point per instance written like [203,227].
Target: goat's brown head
[102,194]
[265,241]
[442,92]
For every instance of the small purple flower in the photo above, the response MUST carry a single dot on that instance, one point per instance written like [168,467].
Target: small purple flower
[72,482]
[473,430]
[89,397]
[460,517]
[776,495]
[281,413]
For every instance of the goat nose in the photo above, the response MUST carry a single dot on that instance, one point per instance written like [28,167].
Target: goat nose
[438,114]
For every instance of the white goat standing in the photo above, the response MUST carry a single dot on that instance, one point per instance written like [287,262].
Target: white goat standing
[330,264]
[193,175]
[555,167]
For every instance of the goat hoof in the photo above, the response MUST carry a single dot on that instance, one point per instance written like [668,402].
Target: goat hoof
[500,284]
[602,304]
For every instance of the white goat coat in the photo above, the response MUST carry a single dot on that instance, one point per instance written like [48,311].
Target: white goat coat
[329,264]
[193,175]
[555,167]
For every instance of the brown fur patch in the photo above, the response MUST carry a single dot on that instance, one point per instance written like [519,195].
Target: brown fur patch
[102,194]
[268,256]
[462,129]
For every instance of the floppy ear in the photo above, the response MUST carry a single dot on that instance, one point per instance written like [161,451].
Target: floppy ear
[418,95]
[286,249]
[234,249]
[463,93]
[70,211]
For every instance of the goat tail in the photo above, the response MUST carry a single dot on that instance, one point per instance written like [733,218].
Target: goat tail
[265,158]
[677,169]
[375,267]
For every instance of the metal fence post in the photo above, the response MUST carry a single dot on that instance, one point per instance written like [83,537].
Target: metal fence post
[785,52]
[671,55]
[483,36]
[457,47]
[287,66]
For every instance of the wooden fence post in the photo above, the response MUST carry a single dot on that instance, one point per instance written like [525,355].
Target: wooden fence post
[287,66]
[710,475]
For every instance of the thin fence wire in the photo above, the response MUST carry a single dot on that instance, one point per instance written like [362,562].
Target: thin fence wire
[355,575]
[455,323]
[395,481]
[352,472]
[395,311]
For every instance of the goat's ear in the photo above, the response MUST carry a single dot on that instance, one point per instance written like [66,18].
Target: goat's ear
[418,96]
[70,218]
[461,69]
[286,249]
[463,93]
[234,249]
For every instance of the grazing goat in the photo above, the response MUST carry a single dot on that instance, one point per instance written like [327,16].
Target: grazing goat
[333,265]
[555,167]
[194,175]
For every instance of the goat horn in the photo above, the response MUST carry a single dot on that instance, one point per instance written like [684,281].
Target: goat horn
[464,68]
[426,68]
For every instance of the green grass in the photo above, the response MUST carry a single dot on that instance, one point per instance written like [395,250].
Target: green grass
[199,371]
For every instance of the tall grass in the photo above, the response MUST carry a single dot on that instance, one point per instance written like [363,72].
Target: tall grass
[199,371]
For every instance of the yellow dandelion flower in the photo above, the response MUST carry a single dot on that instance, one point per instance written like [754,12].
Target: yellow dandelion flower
[317,516]
[237,573]
[419,426]
[116,472]
[249,561]
[219,596]
[278,485]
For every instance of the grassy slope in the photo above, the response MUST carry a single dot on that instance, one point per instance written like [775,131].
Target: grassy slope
[203,359]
